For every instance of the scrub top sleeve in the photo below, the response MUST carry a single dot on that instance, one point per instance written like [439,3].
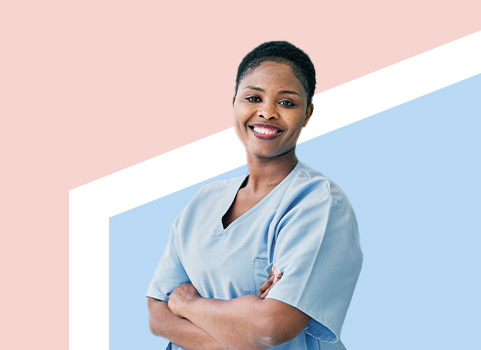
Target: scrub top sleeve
[317,248]
[169,273]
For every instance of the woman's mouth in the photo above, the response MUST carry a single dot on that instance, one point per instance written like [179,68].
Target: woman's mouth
[266,132]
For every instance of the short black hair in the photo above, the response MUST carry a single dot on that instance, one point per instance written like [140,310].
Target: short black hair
[281,52]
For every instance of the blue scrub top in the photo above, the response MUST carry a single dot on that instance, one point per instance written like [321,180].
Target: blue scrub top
[305,225]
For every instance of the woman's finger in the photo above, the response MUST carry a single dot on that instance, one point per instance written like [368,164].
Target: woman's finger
[266,284]
[275,278]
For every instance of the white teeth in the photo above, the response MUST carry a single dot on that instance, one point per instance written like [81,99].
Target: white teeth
[264,131]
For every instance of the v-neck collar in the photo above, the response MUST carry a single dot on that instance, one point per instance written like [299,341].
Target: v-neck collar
[232,195]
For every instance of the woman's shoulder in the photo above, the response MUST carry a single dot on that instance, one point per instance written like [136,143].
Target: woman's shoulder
[210,198]
[212,192]
[312,183]
[219,187]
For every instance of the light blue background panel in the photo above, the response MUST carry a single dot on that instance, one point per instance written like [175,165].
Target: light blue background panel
[413,176]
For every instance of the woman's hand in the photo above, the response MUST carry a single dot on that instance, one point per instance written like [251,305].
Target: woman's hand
[180,297]
[271,281]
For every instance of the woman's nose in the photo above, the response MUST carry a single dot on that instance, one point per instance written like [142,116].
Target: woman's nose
[268,111]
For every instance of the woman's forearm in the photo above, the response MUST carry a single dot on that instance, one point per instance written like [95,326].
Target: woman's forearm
[236,322]
[247,322]
[177,330]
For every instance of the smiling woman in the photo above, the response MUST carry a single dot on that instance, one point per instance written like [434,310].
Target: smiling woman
[267,93]
[217,285]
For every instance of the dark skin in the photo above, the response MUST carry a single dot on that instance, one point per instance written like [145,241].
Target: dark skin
[183,332]
[270,98]
[272,279]
[178,330]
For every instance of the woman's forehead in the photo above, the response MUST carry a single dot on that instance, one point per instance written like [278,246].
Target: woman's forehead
[272,74]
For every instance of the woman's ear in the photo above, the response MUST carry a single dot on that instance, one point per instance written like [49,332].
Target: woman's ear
[309,111]
[233,100]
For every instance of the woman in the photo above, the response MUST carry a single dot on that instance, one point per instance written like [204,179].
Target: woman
[211,289]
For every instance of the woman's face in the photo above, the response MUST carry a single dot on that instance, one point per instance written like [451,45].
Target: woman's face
[270,109]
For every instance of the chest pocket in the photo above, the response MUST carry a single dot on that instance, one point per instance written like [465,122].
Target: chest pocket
[260,274]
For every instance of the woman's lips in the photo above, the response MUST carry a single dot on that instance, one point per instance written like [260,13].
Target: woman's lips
[264,131]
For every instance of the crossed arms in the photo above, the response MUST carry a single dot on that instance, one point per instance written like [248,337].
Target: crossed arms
[247,322]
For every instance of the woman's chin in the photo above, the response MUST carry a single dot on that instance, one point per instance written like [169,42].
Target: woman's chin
[264,155]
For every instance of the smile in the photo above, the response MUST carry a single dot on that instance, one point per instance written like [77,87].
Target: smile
[265,132]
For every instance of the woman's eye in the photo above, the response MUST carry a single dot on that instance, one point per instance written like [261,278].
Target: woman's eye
[253,99]
[286,103]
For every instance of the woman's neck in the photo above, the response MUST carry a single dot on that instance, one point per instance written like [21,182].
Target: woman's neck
[269,172]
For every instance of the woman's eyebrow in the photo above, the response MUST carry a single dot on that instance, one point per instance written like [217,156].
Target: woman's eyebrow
[279,93]
[254,88]
[288,92]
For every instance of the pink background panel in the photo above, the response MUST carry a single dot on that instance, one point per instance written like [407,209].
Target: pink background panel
[92,87]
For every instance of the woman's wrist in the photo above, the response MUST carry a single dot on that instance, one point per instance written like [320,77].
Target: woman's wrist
[181,298]
[187,307]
